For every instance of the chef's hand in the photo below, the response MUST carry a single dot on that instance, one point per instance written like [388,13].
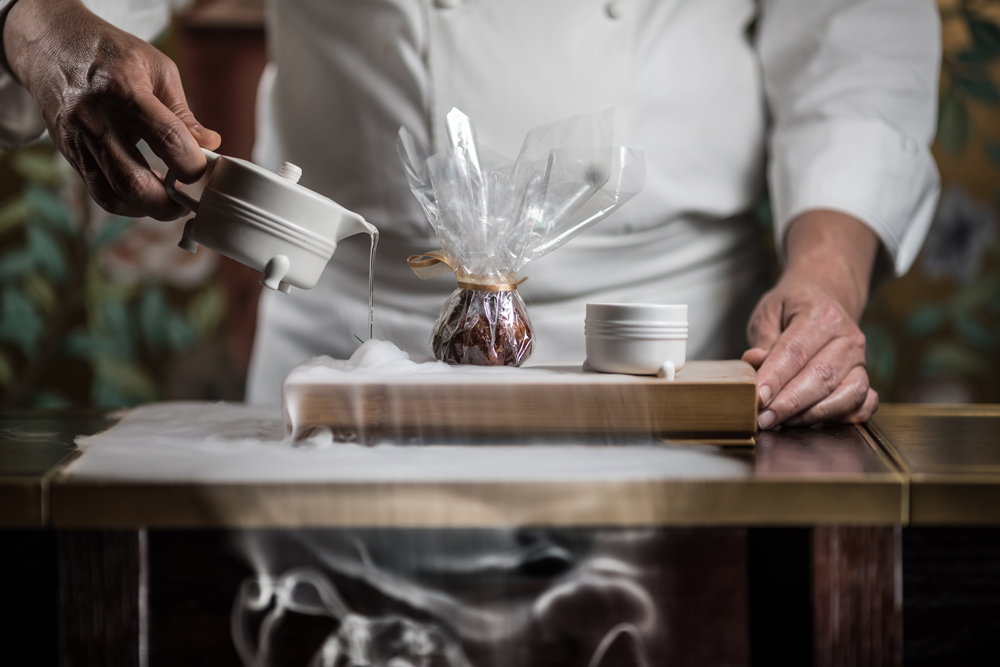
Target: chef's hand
[806,345]
[100,90]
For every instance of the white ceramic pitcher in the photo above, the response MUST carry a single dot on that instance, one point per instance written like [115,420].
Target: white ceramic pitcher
[266,221]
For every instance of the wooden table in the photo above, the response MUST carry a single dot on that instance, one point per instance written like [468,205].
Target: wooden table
[33,444]
[802,477]
[951,455]
[951,549]
[802,552]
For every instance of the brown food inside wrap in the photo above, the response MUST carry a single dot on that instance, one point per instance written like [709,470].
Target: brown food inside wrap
[484,329]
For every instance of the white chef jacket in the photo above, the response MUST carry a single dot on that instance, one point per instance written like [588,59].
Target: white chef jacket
[837,98]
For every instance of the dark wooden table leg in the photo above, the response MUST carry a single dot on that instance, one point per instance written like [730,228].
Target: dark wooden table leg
[101,598]
[28,608]
[951,581]
[857,596]
[779,579]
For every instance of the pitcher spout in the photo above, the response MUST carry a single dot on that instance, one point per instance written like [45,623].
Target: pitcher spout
[352,224]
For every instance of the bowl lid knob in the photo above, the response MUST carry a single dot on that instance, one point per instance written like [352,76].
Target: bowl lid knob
[290,171]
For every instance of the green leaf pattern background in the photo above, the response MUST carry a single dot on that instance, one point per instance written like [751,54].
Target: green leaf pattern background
[934,335]
[99,310]
[94,309]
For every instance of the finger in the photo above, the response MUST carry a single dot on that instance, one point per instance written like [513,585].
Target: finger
[867,409]
[799,343]
[763,331]
[209,139]
[755,356]
[764,326]
[820,377]
[97,185]
[167,136]
[141,193]
[849,400]
[168,88]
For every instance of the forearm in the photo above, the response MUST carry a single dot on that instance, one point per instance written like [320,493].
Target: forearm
[835,252]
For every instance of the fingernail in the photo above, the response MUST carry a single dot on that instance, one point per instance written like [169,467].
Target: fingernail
[765,395]
[198,129]
[766,420]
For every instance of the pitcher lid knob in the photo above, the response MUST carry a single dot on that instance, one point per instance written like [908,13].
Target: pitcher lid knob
[290,171]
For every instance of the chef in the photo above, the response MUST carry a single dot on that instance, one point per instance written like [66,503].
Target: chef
[828,105]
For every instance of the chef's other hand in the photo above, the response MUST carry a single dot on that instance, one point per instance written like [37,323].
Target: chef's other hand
[100,90]
[805,342]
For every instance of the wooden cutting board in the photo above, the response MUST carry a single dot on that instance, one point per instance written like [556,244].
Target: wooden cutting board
[709,401]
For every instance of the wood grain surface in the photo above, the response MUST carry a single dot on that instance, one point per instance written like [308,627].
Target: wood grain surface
[676,502]
[833,475]
[710,398]
[99,598]
[951,596]
[951,456]
[33,445]
[857,595]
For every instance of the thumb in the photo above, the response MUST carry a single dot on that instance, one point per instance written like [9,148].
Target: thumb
[171,92]
[206,138]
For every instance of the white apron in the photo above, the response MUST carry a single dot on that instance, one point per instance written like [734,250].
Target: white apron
[850,87]
[689,84]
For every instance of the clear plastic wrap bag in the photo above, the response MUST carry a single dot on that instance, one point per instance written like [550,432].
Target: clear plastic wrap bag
[493,216]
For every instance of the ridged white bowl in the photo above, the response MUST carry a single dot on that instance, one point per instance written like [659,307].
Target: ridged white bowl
[636,339]
[638,312]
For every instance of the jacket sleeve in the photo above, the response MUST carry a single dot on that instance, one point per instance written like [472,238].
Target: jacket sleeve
[20,122]
[852,91]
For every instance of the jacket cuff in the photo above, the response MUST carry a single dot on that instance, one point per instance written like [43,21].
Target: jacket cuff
[20,122]
[862,167]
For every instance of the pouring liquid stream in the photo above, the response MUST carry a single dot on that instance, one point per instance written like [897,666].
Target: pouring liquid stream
[371,285]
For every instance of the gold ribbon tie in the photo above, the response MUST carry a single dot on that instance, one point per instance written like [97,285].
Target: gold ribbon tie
[428,265]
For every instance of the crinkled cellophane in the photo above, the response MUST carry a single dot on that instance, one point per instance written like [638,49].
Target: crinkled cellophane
[483,328]
[494,216]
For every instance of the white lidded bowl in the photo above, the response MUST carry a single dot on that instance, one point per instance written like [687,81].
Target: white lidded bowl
[655,313]
[637,339]
[615,329]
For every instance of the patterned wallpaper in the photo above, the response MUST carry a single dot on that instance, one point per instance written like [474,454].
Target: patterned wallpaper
[934,335]
[94,309]
[98,310]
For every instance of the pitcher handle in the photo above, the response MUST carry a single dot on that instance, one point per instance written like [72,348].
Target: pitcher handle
[186,200]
